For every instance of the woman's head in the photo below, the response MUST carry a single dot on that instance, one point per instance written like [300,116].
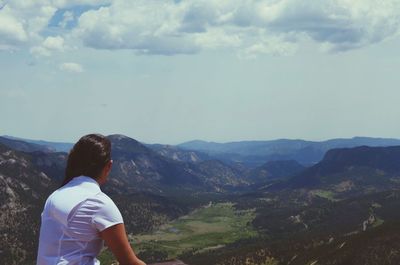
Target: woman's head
[88,157]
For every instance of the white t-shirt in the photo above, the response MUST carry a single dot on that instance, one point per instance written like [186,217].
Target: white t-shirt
[72,218]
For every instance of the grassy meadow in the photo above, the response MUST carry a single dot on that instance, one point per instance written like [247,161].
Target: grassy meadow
[206,228]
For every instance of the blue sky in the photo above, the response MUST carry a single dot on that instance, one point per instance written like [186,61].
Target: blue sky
[173,71]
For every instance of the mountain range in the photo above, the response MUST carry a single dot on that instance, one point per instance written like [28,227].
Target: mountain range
[250,153]
[256,153]
[152,184]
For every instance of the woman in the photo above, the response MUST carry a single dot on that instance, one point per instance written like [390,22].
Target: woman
[78,217]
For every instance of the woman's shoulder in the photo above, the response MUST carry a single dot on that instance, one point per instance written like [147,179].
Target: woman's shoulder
[101,202]
[103,210]
[101,196]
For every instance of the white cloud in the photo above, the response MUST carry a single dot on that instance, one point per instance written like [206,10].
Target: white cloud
[71,67]
[190,26]
[54,43]
[12,32]
[22,22]
[40,51]
[169,27]
[49,45]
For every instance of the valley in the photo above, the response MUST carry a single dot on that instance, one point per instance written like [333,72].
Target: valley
[188,205]
[207,228]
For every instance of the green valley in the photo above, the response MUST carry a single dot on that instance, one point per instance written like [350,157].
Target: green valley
[209,227]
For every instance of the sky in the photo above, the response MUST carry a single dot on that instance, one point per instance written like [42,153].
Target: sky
[168,72]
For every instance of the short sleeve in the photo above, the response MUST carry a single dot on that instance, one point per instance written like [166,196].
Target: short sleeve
[107,214]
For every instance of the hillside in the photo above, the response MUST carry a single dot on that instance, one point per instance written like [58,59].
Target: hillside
[299,230]
[275,170]
[24,189]
[178,154]
[137,167]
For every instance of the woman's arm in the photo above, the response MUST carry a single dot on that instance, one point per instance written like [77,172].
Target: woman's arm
[117,241]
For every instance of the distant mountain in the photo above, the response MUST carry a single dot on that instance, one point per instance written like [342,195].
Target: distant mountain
[352,170]
[275,170]
[256,153]
[24,146]
[137,167]
[53,146]
[337,160]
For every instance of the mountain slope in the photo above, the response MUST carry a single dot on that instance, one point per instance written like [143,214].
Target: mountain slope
[137,167]
[178,154]
[23,192]
[275,170]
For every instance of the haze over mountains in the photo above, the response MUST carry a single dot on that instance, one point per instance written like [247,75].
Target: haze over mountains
[255,153]
[337,193]
[250,153]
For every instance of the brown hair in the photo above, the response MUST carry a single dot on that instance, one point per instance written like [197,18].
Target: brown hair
[88,157]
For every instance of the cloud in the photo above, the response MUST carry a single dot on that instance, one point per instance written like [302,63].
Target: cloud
[272,45]
[12,32]
[22,23]
[248,27]
[145,26]
[340,24]
[25,23]
[169,27]
[54,43]
[49,45]
[71,67]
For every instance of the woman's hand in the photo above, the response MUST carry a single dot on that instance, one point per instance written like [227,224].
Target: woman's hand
[117,241]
